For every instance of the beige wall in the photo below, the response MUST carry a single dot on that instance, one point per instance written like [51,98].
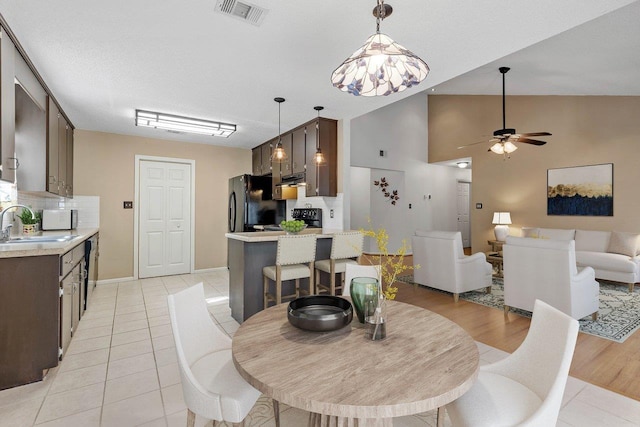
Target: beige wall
[104,166]
[586,130]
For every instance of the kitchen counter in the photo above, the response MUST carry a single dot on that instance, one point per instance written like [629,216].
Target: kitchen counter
[248,253]
[14,250]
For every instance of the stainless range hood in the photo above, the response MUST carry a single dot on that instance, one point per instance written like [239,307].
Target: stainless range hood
[289,185]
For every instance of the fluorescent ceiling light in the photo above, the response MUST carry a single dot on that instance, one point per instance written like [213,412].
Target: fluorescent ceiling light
[183,124]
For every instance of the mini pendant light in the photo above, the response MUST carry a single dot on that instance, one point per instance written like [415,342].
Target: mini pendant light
[381,66]
[318,158]
[279,154]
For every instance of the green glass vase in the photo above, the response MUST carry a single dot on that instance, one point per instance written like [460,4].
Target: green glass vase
[363,289]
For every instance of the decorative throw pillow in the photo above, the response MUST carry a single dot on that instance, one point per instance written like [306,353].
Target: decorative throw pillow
[623,243]
[530,232]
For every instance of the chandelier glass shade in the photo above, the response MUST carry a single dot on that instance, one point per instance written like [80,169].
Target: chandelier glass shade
[381,66]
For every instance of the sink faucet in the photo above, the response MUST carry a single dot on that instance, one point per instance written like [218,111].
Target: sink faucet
[5,234]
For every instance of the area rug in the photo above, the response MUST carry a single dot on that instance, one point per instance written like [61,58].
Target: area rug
[618,315]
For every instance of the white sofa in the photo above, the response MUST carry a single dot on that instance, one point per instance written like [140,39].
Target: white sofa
[596,249]
[444,266]
[537,269]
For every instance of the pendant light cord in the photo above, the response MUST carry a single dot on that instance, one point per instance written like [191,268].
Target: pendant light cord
[380,15]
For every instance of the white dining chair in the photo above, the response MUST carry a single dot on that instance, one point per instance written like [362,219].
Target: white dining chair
[354,270]
[525,388]
[211,385]
[346,248]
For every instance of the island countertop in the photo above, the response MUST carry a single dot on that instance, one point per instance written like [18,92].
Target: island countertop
[272,236]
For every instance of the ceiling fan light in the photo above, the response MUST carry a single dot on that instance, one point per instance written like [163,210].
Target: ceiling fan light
[509,147]
[498,148]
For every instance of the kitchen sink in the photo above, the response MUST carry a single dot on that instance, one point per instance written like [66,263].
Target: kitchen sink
[41,239]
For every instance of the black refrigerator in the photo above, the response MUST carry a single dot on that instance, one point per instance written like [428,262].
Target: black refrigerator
[250,203]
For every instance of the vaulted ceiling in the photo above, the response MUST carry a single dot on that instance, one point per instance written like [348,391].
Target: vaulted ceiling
[104,59]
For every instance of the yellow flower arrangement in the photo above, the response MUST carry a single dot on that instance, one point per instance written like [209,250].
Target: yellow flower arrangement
[391,265]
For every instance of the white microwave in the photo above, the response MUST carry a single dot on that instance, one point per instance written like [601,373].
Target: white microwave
[59,219]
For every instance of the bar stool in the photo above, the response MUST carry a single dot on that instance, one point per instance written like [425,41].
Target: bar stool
[293,253]
[343,247]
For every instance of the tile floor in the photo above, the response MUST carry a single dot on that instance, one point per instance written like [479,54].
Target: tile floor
[121,369]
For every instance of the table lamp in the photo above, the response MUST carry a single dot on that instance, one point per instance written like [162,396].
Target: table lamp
[502,221]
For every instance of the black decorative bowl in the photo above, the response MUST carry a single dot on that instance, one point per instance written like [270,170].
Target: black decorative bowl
[320,313]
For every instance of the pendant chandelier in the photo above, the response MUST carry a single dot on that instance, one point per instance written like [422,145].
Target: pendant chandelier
[318,158]
[381,66]
[279,155]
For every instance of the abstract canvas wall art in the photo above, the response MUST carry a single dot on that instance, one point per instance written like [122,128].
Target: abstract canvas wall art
[582,190]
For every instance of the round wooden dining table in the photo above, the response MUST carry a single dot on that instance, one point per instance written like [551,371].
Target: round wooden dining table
[343,378]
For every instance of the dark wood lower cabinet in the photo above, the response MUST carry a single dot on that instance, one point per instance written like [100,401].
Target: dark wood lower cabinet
[40,308]
[29,316]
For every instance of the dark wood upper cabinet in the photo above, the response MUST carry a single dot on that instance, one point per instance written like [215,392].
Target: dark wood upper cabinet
[266,158]
[300,146]
[53,115]
[298,154]
[285,166]
[7,108]
[322,180]
[69,171]
[256,161]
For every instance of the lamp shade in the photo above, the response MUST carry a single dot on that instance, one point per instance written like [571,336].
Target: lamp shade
[501,218]
[380,67]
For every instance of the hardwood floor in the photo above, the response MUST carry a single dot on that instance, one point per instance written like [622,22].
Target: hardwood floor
[604,363]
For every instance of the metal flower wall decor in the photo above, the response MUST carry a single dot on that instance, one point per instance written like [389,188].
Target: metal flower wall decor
[392,195]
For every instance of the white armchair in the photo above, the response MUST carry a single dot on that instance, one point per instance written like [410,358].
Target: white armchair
[546,270]
[444,266]
[525,388]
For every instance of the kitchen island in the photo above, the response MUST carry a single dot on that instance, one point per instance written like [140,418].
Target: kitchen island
[248,253]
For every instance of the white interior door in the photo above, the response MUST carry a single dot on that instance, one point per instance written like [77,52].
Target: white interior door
[464,225]
[165,219]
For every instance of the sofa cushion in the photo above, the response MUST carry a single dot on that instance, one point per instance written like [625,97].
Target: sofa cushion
[623,243]
[606,261]
[556,234]
[594,241]
[530,232]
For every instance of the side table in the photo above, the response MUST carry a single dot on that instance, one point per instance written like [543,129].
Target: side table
[496,245]
[496,261]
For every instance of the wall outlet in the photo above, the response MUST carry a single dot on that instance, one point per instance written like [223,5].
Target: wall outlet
[331,213]
[127,205]
[409,205]
[383,153]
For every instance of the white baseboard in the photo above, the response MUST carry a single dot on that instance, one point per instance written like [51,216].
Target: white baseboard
[108,281]
[210,270]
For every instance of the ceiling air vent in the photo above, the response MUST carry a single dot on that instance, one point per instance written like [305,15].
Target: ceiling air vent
[241,10]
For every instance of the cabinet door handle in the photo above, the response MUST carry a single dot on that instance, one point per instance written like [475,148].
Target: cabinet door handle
[16,163]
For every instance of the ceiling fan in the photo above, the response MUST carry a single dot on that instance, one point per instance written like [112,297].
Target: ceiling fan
[503,139]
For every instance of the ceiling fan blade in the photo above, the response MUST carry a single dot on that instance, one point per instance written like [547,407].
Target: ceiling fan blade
[531,141]
[473,143]
[535,134]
